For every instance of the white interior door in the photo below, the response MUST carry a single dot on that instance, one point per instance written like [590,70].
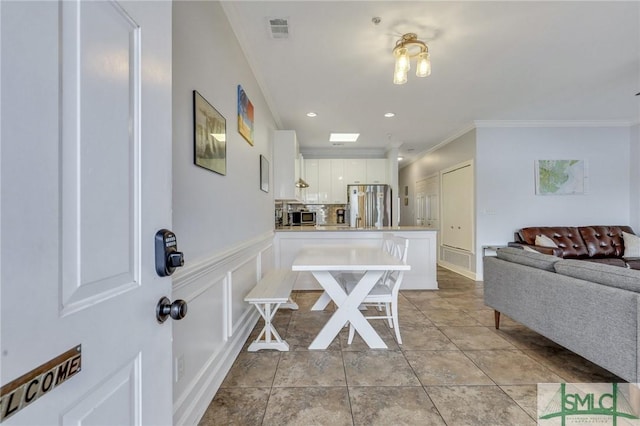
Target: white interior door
[457,208]
[86,182]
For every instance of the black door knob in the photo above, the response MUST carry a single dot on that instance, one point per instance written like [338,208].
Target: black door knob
[176,310]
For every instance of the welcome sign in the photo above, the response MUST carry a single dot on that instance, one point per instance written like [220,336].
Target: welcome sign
[26,389]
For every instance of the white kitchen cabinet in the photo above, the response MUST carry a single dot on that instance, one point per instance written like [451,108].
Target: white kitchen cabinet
[311,169]
[338,185]
[376,170]
[324,181]
[328,178]
[286,167]
[355,171]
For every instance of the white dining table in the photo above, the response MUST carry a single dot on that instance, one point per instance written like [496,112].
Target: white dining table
[321,261]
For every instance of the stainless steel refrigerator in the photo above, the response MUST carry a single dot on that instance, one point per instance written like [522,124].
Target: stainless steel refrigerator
[369,206]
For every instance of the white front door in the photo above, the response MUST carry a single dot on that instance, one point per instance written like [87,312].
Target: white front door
[85,180]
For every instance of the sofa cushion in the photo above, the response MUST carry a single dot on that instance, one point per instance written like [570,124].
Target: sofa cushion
[613,261]
[567,238]
[613,276]
[631,245]
[535,260]
[544,241]
[604,241]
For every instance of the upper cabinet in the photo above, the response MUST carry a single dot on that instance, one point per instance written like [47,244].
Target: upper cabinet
[355,171]
[311,177]
[328,178]
[377,170]
[286,165]
[338,194]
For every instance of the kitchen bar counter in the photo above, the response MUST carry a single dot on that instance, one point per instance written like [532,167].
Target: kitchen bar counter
[344,228]
[422,256]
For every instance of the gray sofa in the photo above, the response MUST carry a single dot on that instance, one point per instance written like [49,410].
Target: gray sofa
[589,308]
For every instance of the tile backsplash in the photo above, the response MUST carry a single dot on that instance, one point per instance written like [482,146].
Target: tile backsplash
[326,214]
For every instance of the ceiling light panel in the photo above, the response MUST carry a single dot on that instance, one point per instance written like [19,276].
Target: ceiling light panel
[343,137]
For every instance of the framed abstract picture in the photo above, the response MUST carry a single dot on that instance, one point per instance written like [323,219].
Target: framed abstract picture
[209,136]
[245,116]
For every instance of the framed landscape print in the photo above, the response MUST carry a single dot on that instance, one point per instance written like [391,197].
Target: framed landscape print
[245,116]
[209,136]
[561,177]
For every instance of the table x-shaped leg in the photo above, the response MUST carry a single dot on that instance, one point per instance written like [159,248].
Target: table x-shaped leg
[347,310]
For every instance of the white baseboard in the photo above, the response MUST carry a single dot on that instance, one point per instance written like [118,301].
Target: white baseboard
[458,270]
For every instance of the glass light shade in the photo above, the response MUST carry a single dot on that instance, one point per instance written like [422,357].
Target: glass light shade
[423,68]
[402,59]
[399,77]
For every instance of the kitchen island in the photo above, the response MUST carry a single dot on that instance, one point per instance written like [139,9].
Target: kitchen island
[422,254]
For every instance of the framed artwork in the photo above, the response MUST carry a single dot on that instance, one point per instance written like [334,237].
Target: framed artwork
[561,177]
[209,136]
[245,116]
[264,174]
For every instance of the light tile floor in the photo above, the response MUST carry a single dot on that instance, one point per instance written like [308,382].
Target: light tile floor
[454,368]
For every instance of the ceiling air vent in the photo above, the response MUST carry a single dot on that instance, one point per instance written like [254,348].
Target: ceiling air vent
[279,27]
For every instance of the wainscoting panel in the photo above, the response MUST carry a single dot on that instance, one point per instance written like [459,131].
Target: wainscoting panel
[207,341]
[243,279]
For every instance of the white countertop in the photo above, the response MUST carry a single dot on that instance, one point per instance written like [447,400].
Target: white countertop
[334,228]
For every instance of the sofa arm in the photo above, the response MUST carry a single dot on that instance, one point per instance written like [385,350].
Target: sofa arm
[553,251]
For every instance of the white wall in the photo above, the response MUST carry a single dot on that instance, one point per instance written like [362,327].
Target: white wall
[212,212]
[455,152]
[634,158]
[505,187]
[224,224]
[505,181]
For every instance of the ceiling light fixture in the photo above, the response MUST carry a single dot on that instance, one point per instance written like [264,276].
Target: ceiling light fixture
[406,48]
[343,137]
[389,114]
[312,114]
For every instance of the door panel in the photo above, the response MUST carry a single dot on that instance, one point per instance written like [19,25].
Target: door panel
[457,208]
[85,180]
[100,105]
[115,402]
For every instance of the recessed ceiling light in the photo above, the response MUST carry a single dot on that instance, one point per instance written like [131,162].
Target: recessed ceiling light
[400,158]
[312,114]
[389,114]
[343,137]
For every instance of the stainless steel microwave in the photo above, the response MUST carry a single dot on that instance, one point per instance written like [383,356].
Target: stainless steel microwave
[303,218]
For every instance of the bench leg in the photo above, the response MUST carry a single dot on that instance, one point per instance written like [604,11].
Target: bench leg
[290,305]
[496,317]
[272,339]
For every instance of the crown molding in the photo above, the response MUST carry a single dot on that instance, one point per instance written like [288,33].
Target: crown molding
[339,152]
[478,124]
[552,123]
[461,131]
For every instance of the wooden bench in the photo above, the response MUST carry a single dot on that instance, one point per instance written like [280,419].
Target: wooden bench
[270,293]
